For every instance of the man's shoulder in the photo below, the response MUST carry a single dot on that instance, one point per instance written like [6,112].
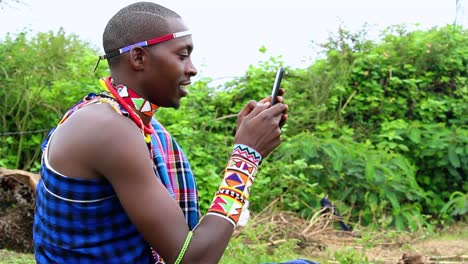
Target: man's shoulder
[99,114]
[97,123]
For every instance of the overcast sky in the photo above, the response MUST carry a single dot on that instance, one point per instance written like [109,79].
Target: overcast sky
[228,34]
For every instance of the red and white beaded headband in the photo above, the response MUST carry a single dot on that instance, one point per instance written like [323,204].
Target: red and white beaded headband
[145,43]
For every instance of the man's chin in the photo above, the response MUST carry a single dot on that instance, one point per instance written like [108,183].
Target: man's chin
[176,104]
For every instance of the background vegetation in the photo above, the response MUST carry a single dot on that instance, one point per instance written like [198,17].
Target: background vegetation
[380,126]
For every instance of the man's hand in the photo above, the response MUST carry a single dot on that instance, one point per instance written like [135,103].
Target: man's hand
[251,105]
[260,129]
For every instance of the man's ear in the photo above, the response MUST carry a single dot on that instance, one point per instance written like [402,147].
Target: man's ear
[137,58]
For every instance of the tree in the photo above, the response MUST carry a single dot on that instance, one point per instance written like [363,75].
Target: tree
[460,16]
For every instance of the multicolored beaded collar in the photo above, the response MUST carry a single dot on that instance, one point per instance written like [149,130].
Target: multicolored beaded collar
[136,101]
[131,101]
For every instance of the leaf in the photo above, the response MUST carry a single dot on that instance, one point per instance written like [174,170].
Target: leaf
[415,135]
[393,200]
[370,169]
[453,157]
[403,147]
[399,223]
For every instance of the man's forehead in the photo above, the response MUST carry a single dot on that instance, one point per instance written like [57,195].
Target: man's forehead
[181,42]
[176,25]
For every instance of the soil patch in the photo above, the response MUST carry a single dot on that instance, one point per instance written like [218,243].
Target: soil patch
[16,214]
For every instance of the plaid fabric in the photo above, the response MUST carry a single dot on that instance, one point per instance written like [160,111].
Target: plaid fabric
[82,221]
[173,169]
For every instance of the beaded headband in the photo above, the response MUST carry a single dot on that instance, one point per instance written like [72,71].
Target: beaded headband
[145,43]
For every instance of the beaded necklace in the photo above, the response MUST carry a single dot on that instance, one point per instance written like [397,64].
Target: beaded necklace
[128,99]
[135,101]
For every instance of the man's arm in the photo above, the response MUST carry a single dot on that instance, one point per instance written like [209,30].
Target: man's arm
[122,157]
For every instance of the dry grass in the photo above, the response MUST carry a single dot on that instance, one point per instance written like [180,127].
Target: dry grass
[320,238]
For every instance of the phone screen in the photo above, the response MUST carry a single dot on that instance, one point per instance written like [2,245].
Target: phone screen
[276,86]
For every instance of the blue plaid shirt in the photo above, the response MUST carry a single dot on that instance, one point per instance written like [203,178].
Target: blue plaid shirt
[82,221]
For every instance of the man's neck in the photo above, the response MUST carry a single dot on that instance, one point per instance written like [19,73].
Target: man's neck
[145,118]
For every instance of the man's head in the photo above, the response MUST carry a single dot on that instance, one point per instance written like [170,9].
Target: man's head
[134,23]
[157,71]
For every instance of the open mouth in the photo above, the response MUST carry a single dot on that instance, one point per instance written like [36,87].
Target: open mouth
[183,90]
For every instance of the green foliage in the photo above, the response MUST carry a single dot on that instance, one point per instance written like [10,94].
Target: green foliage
[350,255]
[260,252]
[410,75]
[439,151]
[404,97]
[11,257]
[252,246]
[457,205]
[39,78]
[377,186]
[378,126]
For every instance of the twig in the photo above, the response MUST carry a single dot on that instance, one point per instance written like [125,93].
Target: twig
[268,206]
[226,117]
[453,257]
[347,101]
[313,221]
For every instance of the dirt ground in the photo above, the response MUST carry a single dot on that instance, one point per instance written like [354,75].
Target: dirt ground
[320,239]
[16,215]
[419,251]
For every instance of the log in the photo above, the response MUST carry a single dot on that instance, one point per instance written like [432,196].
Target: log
[28,178]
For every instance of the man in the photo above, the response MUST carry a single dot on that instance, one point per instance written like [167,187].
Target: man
[115,186]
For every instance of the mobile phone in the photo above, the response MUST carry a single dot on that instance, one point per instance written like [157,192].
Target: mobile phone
[276,85]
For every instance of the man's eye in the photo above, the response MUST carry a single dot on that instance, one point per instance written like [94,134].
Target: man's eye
[184,52]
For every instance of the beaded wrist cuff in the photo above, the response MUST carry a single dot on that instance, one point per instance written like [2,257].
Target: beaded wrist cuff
[248,153]
[234,190]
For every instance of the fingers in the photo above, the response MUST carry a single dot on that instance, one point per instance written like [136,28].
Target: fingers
[280,114]
[251,110]
[248,108]
[245,111]
[281,92]
[276,114]
[260,129]
[259,124]
[284,118]
[278,109]
[280,97]
[259,107]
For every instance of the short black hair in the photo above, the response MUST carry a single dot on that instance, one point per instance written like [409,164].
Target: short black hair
[134,23]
